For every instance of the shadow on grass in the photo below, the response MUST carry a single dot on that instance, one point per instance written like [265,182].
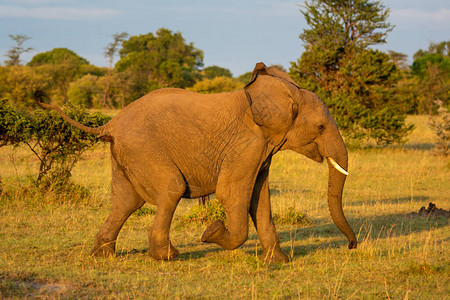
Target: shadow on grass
[188,255]
[419,146]
[398,200]
[278,191]
[121,253]
[375,228]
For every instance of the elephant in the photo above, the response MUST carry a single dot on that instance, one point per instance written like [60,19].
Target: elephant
[174,143]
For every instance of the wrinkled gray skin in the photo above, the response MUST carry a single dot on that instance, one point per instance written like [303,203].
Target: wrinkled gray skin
[173,143]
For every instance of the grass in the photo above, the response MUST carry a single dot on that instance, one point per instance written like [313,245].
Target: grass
[45,242]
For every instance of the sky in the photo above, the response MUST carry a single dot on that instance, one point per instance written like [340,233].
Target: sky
[233,34]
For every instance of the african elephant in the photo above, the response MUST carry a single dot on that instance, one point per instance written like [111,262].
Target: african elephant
[172,144]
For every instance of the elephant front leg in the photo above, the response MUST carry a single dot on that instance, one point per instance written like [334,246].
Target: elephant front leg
[229,237]
[235,196]
[261,214]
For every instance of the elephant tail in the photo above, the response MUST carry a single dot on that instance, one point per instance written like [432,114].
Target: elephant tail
[100,131]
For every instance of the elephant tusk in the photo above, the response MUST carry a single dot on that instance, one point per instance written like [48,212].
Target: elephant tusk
[337,166]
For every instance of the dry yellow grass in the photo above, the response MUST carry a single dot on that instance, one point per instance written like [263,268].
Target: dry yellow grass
[44,246]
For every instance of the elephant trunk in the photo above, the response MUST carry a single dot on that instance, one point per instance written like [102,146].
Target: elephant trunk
[337,159]
[336,182]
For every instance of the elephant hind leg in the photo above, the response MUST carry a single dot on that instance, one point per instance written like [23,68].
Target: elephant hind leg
[125,200]
[160,246]
[171,187]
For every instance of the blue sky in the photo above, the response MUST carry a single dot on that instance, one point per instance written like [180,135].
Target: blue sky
[234,34]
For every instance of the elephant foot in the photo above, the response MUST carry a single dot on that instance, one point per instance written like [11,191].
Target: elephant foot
[104,250]
[214,233]
[274,255]
[167,252]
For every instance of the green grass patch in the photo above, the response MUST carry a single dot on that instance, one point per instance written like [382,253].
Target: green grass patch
[212,210]
[291,217]
[145,211]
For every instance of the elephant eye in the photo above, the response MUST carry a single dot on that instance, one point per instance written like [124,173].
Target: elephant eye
[321,127]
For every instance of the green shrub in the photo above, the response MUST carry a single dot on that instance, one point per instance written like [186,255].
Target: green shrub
[217,85]
[57,144]
[211,211]
[145,211]
[291,217]
[440,124]
[15,128]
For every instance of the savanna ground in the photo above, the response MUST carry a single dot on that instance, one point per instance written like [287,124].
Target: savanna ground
[45,241]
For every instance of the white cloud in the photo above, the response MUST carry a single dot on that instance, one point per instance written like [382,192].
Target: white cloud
[264,8]
[31,2]
[57,13]
[417,18]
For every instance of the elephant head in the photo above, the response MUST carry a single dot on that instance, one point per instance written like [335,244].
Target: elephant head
[295,119]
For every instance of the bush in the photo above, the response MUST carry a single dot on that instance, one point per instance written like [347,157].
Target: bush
[441,126]
[145,211]
[57,144]
[211,211]
[15,128]
[16,83]
[291,217]
[217,85]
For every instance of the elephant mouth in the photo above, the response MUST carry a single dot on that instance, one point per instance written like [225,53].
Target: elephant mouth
[337,166]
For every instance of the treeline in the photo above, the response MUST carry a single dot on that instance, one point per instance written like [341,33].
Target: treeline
[146,62]
[369,92]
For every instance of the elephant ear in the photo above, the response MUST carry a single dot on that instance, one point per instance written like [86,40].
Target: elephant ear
[262,69]
[271,103]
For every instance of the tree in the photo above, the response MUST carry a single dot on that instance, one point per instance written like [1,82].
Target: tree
[441,48]
[115,90]
[245,78]
[355,81]
[149,61]
[400,60]
[85,92]
[16,82]
[437,54]
[279,67]
[63,66]
[57,56]
[432,71]
[212,72]
[110,52]
[440,124]
[217,85]
[14,53]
